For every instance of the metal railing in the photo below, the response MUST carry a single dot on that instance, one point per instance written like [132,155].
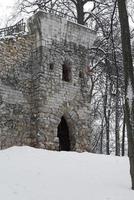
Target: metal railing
[12,30]
[57,13]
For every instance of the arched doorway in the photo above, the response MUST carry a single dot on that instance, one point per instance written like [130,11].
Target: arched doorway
[63,135]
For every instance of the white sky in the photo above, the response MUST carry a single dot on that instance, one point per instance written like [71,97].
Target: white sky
[6,7]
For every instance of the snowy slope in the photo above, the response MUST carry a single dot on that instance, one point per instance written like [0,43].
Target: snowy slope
[33,174]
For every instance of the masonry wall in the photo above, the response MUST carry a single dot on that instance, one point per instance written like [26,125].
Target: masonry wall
[59,41]
[15,86]
[33,95]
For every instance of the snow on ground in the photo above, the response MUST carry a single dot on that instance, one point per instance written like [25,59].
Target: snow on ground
[34,174]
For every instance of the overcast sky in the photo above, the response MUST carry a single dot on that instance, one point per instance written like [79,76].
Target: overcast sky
[6,3]
[6,7]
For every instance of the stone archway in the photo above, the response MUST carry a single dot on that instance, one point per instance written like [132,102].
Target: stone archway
[63,135]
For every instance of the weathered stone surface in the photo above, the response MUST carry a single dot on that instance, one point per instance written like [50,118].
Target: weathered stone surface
[33,94]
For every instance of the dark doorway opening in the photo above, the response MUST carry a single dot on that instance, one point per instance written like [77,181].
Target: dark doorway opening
[63,135]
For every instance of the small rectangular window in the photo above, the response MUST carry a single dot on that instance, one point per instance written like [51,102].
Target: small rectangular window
[66,73]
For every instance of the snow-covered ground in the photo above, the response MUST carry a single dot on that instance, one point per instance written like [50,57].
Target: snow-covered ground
[34,174]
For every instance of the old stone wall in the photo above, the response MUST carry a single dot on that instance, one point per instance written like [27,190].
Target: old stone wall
[59,42]
[43,77]
[15,85]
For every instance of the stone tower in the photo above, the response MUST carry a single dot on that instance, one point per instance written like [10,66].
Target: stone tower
[45,85]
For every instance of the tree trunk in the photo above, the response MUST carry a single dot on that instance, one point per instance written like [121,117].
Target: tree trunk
[101,136]
[129,82]
[117,119]
[117,110]
[80,12]
[106,116]
[123,137]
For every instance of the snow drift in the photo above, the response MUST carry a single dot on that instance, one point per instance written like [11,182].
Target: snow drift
[34,174]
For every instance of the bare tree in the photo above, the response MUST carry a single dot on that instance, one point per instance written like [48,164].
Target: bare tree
[129,82]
